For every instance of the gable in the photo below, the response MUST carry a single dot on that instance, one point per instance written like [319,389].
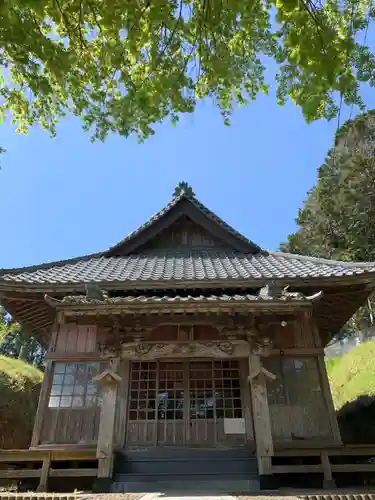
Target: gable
[181,234]
[179,210]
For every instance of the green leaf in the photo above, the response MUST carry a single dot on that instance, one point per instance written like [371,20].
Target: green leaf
[123,66]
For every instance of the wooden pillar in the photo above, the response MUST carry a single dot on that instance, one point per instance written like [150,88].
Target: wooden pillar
[43,482]
[108,382]
[122,404]
[42,404]
[261,414]
[328,481]
[326,390]
[246,402]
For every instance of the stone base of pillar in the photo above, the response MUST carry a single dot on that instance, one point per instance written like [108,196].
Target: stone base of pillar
[268,482]
[102,485]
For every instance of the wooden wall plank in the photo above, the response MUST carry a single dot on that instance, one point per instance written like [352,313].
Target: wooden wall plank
[62,337]
[73,338]
[82,339]
[71,426]
[91,333]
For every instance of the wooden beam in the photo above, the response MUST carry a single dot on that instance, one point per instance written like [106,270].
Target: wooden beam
[55,451]
[296,469]
[73,472]
[70,357]
[19,473]
[42,404]
[46,472]
[353,467]
[20,296]
[304,469]
[332,450]
[300,352]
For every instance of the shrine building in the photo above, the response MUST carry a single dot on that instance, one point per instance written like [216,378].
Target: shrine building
[185,343]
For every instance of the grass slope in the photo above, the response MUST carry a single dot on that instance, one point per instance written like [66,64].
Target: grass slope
[353,374]
[19,392]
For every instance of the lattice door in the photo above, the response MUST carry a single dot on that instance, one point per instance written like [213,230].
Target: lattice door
[214,395]
[184,403]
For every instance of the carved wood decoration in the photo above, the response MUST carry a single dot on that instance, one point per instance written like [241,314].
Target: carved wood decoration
[155,350]
[198,333]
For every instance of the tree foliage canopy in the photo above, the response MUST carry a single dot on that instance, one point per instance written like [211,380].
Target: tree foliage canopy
[15,342]
[337,218]
[124,65]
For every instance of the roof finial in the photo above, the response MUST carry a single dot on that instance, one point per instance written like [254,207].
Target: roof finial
[183,188]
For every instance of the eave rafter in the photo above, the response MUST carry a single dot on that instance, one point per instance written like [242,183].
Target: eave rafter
[333,309]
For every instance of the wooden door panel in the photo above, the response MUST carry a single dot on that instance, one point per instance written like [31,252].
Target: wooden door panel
[201,433]
[141,433]
[171,433]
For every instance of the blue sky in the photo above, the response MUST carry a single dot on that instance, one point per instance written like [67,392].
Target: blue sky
[66,197]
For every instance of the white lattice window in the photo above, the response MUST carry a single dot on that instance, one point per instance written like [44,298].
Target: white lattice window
[73,385]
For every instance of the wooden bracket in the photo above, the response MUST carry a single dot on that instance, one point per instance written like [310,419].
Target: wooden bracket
[107,378]
[264,371]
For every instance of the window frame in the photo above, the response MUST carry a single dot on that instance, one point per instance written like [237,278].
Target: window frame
[72,371]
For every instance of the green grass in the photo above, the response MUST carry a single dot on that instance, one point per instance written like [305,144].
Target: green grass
[19,371]
[353,374]
[19,393]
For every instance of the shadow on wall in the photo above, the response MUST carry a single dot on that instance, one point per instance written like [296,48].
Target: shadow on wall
[357,421]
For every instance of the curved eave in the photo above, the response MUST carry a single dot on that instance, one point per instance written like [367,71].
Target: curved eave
[363,278]
[331,312]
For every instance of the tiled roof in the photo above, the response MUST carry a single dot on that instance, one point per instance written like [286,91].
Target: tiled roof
[174,266]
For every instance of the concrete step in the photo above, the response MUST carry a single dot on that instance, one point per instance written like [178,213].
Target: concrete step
[210,487]
[182,465]
[163,453]
[184,476]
